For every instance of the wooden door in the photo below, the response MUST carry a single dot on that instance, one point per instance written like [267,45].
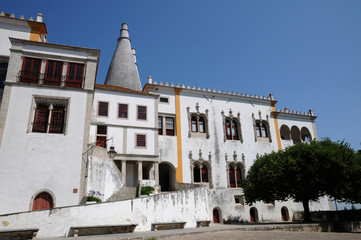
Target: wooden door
[42,201]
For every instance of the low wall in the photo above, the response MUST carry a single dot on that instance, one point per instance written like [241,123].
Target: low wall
[183,206]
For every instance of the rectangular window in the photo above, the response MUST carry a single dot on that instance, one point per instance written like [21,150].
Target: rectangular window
[53,73]
[102,141]
[142,112]
[123,111]
[49,116]
[141,140]
[102,130]
[169,126]
[75,75]
[160,125]
[103,109]
[101,136]
[31,70]
[163,100]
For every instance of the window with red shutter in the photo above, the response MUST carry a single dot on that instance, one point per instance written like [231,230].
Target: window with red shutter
[204,174]
[31,70]
[53,73]
[232,180]
[49,116]
[41,118]
[75,75]
[57,119]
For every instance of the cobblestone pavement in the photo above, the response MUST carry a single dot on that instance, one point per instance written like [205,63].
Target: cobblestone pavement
[264,235]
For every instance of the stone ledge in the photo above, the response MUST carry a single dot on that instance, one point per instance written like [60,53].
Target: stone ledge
[167,225]
[19,234]
[102,229]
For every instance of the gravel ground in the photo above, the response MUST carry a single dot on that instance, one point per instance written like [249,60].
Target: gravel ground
[264,235]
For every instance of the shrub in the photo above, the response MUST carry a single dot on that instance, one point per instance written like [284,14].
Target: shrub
[146,190]
[93,199]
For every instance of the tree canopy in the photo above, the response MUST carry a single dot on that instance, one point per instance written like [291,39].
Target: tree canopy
[305,172]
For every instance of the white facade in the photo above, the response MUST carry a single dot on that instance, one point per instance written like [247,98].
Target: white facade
[34,162]
[57,125]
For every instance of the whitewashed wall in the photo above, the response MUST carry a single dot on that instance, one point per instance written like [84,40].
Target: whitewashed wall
[184,206]
[31,162]
[123,131]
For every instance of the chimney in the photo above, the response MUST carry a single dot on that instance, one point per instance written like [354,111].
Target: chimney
[39,17]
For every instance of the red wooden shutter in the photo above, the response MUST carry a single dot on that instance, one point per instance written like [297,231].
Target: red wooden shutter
[204,174]
[232,182]
[102,141]
[41,117]
[57,120]
[31,70]
[75,75]
[239,177]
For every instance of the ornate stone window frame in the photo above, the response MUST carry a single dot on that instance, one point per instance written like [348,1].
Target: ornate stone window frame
[197,115]
[234,163]
[200,162]
[261,121]
[237,120]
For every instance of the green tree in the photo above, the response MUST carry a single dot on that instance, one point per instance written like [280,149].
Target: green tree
[304,172]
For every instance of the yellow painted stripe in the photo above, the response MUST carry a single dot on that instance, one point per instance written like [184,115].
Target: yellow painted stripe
[179,169]
[276,126]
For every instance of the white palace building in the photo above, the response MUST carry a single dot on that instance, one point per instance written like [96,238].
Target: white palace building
[63,137]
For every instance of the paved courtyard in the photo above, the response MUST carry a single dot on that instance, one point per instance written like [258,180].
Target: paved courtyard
[228,232]
[265,235]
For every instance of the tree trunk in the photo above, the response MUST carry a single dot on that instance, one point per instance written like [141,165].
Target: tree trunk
[307,215]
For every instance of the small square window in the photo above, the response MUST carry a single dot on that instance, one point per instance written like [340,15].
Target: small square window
[103,109]
[123,111]
[141,140]
[102,130]
[142,112]
[163,100]
[239,199]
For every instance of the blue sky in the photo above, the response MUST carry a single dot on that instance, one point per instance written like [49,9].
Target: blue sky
[307,53]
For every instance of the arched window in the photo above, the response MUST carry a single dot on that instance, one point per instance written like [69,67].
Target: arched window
[295,134]
[239,177]
[42,201]
[258,130]
[232,131]
[194,124]
[285,132]
[232,180]
[201,125]
[305,134]
[204,174]
[264,130]
[196,174]
[228,130]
